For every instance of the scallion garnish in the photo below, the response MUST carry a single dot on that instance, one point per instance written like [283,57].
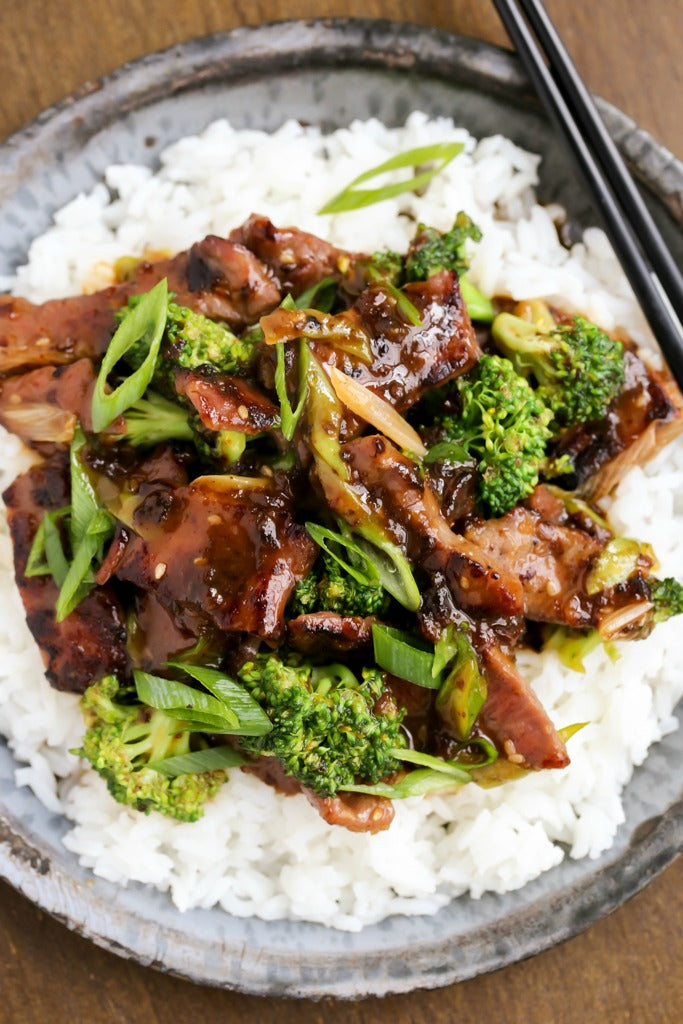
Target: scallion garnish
[354,198]
[445,649]
[320,295]
[447,451]
[463,692]
[251,718]
[79,581]
[437,764]
[170,696]
[393,568]
[84,501]
[38,563]
[54,549]
[404,656]
[210,760]
[364,571]
[145,323]
[417,783]
[290,417]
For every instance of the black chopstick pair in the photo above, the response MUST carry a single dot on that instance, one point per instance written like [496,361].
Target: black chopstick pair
[644,256]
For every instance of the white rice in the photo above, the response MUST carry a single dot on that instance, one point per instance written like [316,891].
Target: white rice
[256,853]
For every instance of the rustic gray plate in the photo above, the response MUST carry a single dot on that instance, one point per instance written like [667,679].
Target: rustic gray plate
[326,72]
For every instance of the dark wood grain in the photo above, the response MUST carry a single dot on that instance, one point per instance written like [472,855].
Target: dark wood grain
[624,970]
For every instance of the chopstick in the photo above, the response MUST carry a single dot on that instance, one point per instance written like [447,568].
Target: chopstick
[644,256]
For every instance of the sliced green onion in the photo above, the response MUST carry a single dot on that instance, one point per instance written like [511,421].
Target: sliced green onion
[198,721]
[437,764]
[319,296]
[615,563]
[368,575]
[54,551]
[290,417]
[447,451]
[171,696]
[567,731]
[210,760]
[145,323]
[404,656]
[354,198]
[78,580]
[417,783]
[395,574]
[478,306]
[36,563]
[84,502]
[410,312]
[463,692]
[251,718]
[445,649]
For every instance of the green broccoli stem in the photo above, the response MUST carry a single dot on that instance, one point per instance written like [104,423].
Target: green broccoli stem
[153,419]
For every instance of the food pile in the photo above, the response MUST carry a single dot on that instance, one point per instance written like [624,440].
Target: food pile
[297,507]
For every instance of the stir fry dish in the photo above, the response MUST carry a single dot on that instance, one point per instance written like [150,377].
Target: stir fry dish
[294,509]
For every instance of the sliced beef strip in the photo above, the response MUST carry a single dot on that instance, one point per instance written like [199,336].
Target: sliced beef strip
[91,641]
[221,279]
[358,812]
[552,562]
[296,259]
[44,405]
[514,717]
[327,634]
[386,486]
[225,402]
[402,360]
[231,556]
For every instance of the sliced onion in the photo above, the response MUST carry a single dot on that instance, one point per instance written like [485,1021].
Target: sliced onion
[621,622]
[37,421]
[375,410]
[231,482]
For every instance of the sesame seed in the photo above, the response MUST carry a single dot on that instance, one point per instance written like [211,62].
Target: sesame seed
[552,588]
[43,343]
[243,412]
[201,560]
[213,519]
[159,570]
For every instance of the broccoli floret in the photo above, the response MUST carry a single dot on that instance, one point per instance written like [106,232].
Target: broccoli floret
[667,596]
[433,250]
[325,732]
[328,588]
[387,266]
[192,340]
[578,369]
[305,598]
[123,737]
[504,426]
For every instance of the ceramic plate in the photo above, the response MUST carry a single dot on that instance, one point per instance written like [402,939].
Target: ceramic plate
[328,73]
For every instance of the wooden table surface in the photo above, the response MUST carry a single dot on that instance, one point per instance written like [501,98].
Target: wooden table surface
[627,967]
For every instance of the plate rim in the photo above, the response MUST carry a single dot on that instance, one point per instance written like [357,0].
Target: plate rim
[386,44]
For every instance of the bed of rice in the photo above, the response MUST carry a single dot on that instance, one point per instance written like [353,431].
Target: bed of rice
[256,852]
